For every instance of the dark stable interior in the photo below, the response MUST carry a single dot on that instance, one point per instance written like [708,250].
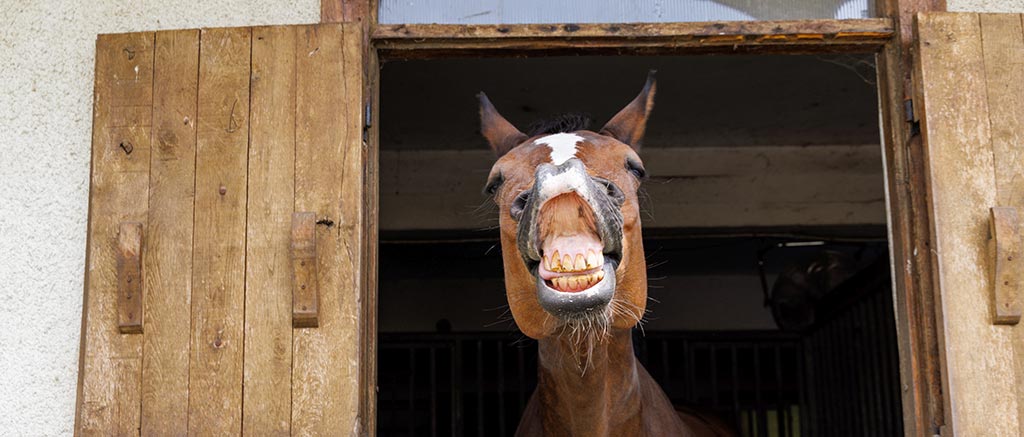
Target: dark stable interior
[764,229]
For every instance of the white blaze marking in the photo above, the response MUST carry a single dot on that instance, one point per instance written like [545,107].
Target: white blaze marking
[563,146]
[571,180]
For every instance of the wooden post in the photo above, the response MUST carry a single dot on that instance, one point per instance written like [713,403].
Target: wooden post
[924,406]
[365,12]
[337,11]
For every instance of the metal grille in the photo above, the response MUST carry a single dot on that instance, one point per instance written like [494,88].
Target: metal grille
[751,378]
[478,383]
[838,378]
[853,383]
[454,384]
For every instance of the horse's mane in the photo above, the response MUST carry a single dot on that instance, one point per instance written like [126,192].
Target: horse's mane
[563,123]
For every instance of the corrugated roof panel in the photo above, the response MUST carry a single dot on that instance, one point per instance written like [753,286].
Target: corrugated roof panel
[615,11]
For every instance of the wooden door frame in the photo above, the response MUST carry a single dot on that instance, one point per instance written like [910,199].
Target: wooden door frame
[917,306]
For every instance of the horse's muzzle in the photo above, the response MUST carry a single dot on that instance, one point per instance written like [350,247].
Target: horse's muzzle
[605,201]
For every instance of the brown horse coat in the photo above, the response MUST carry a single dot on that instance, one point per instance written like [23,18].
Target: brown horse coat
[575,274]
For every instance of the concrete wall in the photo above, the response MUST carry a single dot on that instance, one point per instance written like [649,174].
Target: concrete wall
[46,84]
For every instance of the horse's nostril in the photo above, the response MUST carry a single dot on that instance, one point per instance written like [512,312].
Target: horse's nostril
[519,204]
[613,190]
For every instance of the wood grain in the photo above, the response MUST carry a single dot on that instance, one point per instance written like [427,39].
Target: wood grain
[111,362]
[1003,43]
[914,282]
[268,329]
[168,254]
[371,199]
[305,294]
[329,163]
[957,137]
[215,376]
[1003,47]
[129,277]
[338,11]
[404,40]
[1007,255]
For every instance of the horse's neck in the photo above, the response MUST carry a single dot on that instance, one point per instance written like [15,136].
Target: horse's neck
[602,400]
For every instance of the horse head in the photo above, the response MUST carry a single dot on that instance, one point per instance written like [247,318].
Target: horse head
[570,221]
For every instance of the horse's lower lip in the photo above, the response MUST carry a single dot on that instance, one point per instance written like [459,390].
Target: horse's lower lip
[568,303]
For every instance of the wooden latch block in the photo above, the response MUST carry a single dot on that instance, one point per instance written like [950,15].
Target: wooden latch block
[129,277]
[305,293]
[1007,247]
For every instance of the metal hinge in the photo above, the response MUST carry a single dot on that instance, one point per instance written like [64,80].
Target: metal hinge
[367,121]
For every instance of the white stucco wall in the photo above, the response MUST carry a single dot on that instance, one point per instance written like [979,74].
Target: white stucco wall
[46,73]
[1015,6]
[46,83]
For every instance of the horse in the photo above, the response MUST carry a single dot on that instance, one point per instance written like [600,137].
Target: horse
[575,273]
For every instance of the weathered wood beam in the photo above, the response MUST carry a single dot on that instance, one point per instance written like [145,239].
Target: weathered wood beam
[738,187]
[338,11]
[425,40]
[924,406]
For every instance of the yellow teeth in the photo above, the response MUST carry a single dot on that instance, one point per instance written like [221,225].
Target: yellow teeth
[581,262]
[594,260]
[564,263]
[578,282]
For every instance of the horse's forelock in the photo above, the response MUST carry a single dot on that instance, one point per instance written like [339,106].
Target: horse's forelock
[564,123]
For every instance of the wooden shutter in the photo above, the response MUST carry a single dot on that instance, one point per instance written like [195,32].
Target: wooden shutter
[970,99]
[208,148]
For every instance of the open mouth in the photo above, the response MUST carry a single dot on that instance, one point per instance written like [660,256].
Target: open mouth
[571,263]
[570,238]
[574,274]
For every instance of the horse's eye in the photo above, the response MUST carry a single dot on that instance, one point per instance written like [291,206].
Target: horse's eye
[493,184]
[636,168]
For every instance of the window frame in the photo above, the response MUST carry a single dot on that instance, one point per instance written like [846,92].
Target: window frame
[889,37]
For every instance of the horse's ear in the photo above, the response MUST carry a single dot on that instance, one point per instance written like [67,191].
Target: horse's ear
[629,124]
[501,134]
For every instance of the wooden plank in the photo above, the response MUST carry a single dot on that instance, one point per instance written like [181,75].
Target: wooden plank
[406,39]
[305,294]
[957,138]
[329,165]
[1003,43]
[111,362]
[168,254]
[688,187]
[129,277]
[215,371]
[268,328]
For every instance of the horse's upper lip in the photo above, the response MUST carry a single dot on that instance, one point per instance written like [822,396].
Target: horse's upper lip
[570,177]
